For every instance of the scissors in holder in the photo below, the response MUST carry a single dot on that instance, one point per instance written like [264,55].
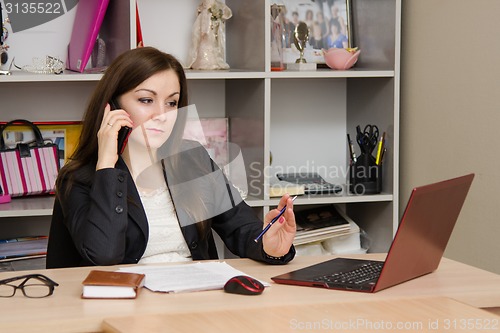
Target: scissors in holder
[368,138]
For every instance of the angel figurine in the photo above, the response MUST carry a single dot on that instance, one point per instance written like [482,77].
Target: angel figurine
[208,40]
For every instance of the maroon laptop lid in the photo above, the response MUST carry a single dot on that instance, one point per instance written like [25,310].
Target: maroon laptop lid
[424,231]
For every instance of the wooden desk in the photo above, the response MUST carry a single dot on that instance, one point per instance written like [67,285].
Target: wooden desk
[428,314]
[65,311]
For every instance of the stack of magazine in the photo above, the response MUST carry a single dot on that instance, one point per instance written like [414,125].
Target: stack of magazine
[320,223]
[23,248]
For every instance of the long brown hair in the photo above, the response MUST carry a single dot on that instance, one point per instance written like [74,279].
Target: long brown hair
[125,73]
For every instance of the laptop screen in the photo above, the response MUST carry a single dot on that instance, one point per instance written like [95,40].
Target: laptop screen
[424,231]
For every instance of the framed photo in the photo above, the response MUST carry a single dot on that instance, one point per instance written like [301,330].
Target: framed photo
[64,134]
[329,25]
[212,133]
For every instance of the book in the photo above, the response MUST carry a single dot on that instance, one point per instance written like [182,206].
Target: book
[112,284]
[322,217]
[88,20]
[279,188]
[320,223]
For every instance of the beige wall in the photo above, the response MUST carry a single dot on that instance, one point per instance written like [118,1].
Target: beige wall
[450,114]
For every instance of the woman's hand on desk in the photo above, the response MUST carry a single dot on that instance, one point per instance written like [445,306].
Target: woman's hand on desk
[279,238]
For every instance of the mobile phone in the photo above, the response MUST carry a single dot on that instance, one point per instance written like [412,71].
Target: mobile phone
[124,132]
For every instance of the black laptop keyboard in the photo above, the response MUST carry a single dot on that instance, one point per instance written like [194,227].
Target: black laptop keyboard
[367,272]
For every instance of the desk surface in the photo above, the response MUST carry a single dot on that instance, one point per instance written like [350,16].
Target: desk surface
[427,314]
[65,311]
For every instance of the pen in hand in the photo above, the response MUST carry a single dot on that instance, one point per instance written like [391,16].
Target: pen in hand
[282,211]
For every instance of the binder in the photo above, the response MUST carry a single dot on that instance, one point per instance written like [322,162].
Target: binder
[88,19]
[139,39]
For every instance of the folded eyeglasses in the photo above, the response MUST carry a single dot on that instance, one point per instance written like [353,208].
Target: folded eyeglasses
[32,286]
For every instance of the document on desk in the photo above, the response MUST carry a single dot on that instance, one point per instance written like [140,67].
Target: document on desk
[186,277]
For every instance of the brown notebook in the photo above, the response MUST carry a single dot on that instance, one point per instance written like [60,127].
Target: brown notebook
[110,284]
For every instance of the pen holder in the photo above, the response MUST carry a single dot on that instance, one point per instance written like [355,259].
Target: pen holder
[365,176]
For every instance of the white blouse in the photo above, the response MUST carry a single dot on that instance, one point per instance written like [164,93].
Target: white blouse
[166,242]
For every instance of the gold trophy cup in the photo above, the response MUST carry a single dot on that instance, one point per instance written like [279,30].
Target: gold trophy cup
[300,38]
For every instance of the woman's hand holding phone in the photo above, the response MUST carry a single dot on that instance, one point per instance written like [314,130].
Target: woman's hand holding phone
[124,131]
[112,122]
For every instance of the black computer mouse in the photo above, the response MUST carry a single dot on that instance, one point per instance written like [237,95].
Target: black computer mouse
[243,285]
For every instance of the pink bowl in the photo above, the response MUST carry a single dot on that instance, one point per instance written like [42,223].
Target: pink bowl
[340,59]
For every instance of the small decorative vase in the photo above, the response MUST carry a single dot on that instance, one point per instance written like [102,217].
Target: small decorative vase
[341,59]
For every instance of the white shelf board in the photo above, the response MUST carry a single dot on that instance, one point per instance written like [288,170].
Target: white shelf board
[42,206]
[66,76]
[334,199]
[69,76]
[329,73]
[28,206]
[223,74]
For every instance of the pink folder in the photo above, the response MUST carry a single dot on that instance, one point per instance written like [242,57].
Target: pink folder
[88,20]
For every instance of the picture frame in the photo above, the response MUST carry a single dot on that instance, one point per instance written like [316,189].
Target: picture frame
[213,134]
[319,15]
[65,134]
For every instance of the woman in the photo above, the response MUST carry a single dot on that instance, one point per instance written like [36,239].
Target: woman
[317,40]
[160,198]
[336,39]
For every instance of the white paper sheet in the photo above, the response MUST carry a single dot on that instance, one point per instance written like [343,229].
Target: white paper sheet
[186,277]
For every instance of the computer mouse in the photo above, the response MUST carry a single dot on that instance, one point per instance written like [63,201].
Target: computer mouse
[243,285]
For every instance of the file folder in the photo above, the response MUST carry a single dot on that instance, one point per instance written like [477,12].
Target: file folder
[88,19]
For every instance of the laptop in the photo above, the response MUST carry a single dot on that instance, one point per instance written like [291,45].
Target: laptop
[416,250]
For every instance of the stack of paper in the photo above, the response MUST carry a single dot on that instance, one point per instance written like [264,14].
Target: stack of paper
[345,242]
[186,277]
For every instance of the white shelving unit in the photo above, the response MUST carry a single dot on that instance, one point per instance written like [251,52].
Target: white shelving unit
[301,118]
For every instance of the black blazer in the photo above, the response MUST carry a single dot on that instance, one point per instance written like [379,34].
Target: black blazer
[102,220]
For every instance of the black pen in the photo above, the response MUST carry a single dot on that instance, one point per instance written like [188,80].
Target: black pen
[282,211]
